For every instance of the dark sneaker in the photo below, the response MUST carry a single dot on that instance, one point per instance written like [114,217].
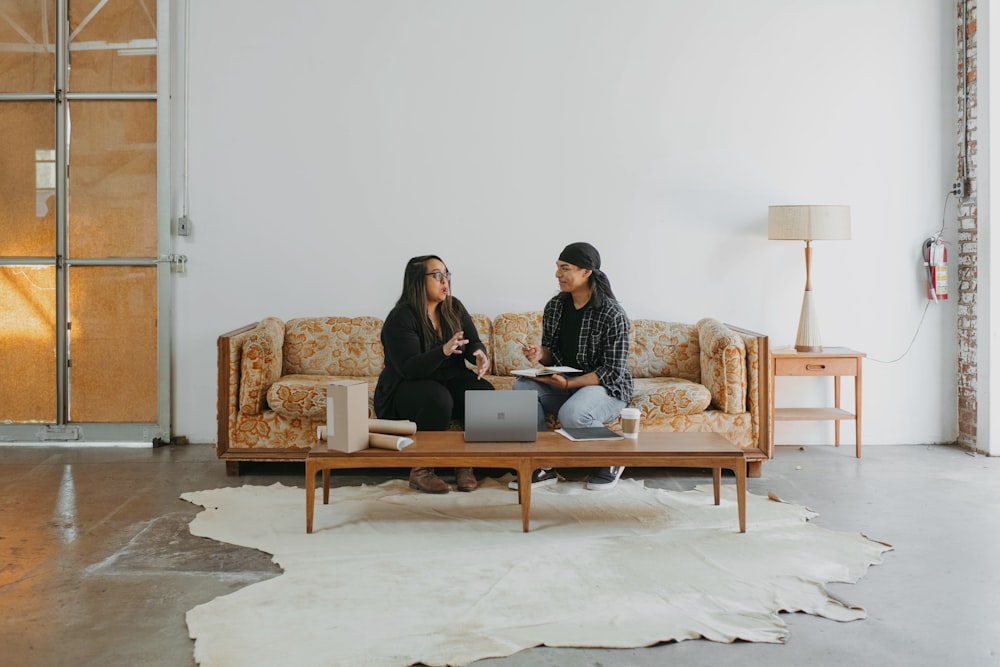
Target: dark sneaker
[605,478]
[541,477]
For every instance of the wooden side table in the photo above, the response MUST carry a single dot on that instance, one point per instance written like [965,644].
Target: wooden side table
[832,361]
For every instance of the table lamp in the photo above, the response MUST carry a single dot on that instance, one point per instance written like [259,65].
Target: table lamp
[808,223]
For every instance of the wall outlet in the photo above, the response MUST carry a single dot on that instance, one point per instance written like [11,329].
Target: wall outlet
[184,226]
[958,189]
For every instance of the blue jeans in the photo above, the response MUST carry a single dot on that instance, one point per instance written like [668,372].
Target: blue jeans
[576,408]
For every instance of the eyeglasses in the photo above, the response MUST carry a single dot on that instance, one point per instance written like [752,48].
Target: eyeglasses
[437,275]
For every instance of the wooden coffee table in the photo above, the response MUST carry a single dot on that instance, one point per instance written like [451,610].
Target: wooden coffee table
[448,449]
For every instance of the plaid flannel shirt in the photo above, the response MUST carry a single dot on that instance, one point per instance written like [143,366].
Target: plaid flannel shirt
[603,345]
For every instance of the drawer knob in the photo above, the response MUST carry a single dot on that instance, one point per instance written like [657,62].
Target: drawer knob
[815,367]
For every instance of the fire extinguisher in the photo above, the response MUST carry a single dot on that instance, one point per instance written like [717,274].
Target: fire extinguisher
[936,261]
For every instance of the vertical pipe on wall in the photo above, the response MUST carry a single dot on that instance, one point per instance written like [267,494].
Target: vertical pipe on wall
[62,217]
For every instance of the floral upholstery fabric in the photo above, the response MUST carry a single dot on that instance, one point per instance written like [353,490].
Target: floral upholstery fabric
[663,398]
[688,377]
[735,428]
[658,349]
[723,364]
[501,381]
[230,368]
[260,364]
[755,403]
[272,431]
[346,346]
[305,395]
[484,326]
[509,329]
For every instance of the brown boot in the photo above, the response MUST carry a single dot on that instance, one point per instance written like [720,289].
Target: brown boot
[465,480]
[425,480]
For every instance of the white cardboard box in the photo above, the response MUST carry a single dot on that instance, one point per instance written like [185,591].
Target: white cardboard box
[347,415]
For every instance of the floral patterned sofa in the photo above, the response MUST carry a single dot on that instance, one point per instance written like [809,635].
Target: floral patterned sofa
[707,376]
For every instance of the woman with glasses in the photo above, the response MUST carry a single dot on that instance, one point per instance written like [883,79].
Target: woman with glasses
[584,327]
[428,336]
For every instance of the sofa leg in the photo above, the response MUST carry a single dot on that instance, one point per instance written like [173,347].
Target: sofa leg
[753,468]
[232,468]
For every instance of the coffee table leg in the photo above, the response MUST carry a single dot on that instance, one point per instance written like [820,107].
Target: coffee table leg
[326,486]
[310,495]
[741,494]
[524,493]
[716,482]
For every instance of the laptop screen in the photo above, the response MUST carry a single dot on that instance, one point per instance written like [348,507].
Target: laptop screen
[501,416]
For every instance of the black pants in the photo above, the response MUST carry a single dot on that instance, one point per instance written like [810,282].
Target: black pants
[434,403]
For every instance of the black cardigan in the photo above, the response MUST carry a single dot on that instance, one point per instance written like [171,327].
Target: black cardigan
[409,357]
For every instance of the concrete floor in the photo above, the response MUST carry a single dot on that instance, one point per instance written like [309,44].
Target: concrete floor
[97,566]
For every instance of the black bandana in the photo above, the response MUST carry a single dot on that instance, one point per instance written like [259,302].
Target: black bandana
[586,256]
[581,254]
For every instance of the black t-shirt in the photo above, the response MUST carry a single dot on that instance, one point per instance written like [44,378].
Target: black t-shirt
[569,332]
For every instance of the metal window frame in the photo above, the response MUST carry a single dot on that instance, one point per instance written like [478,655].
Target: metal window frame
[64,430]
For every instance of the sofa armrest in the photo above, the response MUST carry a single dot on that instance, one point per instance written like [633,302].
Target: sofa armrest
[723,365]
[758,387]
[261,364]
[230,347]
[249,360]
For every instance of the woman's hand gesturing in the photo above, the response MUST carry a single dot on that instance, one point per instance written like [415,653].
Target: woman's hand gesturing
[455,344]
[482,364]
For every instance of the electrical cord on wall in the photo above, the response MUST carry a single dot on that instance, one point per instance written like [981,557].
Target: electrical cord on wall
[912,340]
[927,304]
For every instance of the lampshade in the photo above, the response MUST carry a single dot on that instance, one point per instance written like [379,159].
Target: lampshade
[809,223]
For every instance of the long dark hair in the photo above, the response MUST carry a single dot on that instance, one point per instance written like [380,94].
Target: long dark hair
[414,295]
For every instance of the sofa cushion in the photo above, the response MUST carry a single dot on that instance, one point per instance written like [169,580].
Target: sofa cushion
[260,365]
[508,331]
[304,396]
[663,398]
[658,349]
[484,327]
[723,365]
[502,382]
[340,346]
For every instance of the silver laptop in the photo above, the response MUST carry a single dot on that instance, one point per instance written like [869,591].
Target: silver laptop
[501,416]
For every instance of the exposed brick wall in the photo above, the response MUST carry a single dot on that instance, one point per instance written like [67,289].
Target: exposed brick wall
[966,272]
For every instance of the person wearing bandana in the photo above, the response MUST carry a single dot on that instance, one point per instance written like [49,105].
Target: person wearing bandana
[584,327]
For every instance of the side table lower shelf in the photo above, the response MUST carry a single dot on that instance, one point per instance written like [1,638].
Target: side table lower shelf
[811,414]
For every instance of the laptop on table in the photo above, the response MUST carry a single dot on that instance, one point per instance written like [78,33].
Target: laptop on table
[501,416]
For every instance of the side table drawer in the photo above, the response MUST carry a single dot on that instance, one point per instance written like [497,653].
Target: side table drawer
[833,366]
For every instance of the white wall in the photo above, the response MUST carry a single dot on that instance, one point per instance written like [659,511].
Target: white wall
[332,140]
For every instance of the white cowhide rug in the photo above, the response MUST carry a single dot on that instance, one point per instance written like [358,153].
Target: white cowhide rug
[393,577]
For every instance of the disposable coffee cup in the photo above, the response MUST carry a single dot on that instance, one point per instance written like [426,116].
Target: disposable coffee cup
[630,422]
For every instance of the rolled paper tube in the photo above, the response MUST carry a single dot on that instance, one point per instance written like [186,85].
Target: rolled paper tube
[392,426]
[387,441]
[386,426]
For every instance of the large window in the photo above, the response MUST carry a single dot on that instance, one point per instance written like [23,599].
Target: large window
[82,269]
